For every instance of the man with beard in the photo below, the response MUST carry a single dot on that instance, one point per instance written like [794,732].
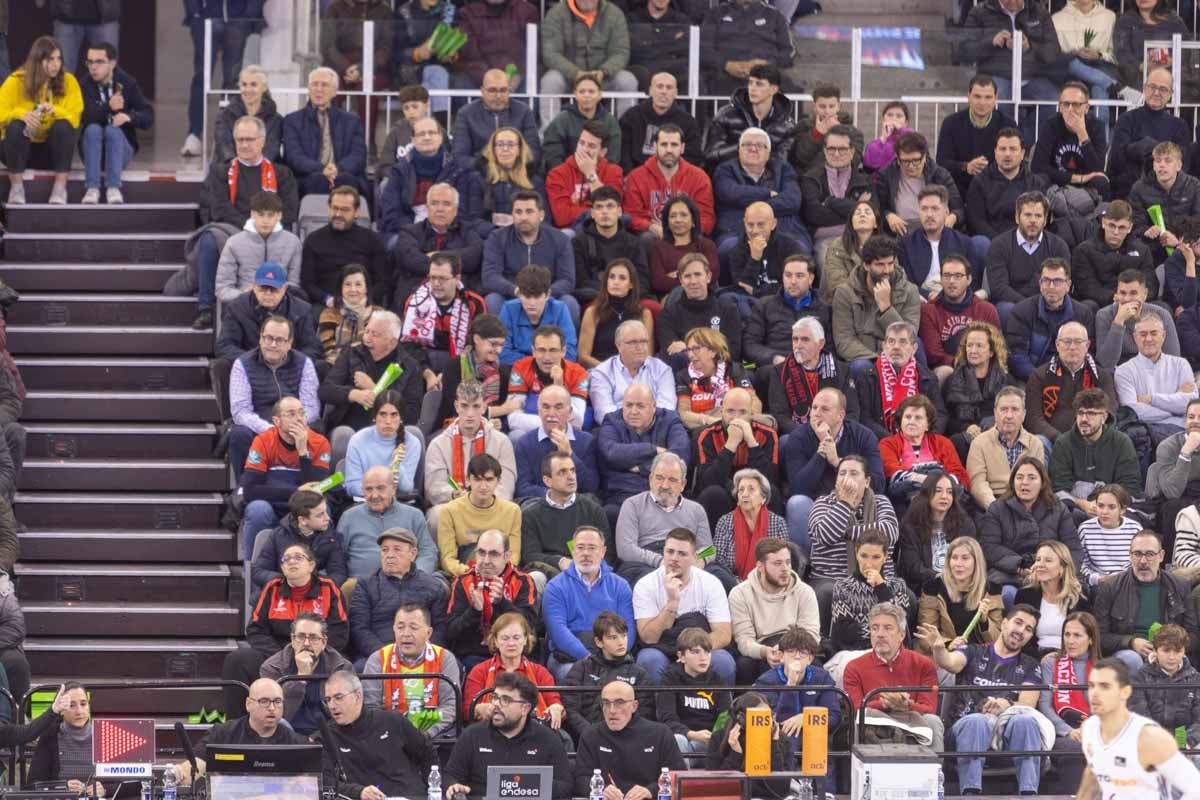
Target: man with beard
[1014,259]
[926,246]
[510,738]
[411,651]
[437,316]
[770,328]
[698,307]
[341,242]
[893,376]
[877,296]
[1178,484]
[946,315]
[1091,454]
[264,710]
[767,605]
[382,754]
[555,433]
[1139,130]
[640,124]
[651,184]
[547,367]
[992,194]
[308,653]
[629,750]
[601,239]
[1033,324]
[529,240]
[975,716]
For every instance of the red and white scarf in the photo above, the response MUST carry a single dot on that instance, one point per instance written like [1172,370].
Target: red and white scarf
[708,392]
[893,388]
[421,315]
[1073,699]
[270,182]
[458,467]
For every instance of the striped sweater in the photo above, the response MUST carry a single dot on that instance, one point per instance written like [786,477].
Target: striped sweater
[1105,551]
[833,523]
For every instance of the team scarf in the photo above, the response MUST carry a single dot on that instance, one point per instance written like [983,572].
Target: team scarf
[742,456]
[1070,699]
[458,467]
[893,388]
[508,591]
[801,384]
[421,315]
[746,540]
[270,182]
[1052,391]
[708,392]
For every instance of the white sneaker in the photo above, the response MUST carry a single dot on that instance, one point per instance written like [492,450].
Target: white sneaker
[191,146]
[16,192]
[1132,96]
[113,196]
[58,196]
[91,197]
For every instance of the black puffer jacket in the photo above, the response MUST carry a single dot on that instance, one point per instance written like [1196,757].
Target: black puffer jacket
[988,18]
[1095,266]
[1182,201]
[768,329]
[1168,703]
[721,138]
[583,708]
[807,151]
[968,399]
[887,183]
[1010,535]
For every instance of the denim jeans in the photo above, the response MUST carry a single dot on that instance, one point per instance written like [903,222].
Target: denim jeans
[1097,79]
[107,145]
[1032,89]
[656,663]
[259,516]
[71,36]
[207,257]
[229,42]
[799,506]
[434,77]
[973,733]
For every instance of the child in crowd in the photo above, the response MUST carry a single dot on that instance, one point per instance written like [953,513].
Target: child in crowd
[1177,710]
[690,715]
[610,661]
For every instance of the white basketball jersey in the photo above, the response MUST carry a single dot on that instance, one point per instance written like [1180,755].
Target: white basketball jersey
[1116,764]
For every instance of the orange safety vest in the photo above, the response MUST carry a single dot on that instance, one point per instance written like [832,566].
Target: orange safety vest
[394,692]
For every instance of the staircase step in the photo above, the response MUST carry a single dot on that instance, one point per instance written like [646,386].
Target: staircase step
[144,546]
[80,510]
[102,309]
[109,475]
[139,248]
[134,406]
[109,277]
[128,658]
[127,218]
[91,441]
[110,340]
[146,189]
[73,372]
[115,583]
[132,619]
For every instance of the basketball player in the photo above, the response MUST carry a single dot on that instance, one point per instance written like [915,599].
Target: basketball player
[1129,757]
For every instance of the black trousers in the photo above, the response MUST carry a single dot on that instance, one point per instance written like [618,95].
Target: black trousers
[54,154]
[242,665]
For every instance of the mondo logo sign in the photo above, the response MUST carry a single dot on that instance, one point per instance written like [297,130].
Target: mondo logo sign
[123,748]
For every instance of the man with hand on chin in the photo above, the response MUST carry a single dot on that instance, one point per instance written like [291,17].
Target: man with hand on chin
[308,653]
[1070,150]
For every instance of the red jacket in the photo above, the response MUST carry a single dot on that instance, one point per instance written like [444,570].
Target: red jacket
[647,191]
[483,676]
[891,448]
[908,668]
[939,326]
[568,191]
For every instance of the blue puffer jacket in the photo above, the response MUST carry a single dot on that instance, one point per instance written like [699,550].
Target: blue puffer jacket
[733,190]
[396,204]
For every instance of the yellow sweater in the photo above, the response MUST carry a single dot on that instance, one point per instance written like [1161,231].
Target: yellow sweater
[15,104]
[460,523]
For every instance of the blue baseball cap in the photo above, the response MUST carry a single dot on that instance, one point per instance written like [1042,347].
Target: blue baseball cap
[272,274]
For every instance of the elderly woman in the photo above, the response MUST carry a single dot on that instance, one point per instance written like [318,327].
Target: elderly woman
[510,640]
[681,235]
[1014,528]
[341,325]
[253,99]
[738,533]
[845,253]
[562,134]
[950,601]
[1053,587]
[506,167]
[980,372]
[935,518]
[618,299]
[910,454]
[710,373]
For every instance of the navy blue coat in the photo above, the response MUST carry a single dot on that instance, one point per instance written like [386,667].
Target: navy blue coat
[396,203]
[915,253]
[97,112]
[302,144]
[733,191]
[529,452]
[808,472]
[622,448]
[1031,332]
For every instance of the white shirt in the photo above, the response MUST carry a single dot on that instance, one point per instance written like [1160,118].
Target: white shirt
[1029,246]
[933,281]
[703,593]
[1116,763]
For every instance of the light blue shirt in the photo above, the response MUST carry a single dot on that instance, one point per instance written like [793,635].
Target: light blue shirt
[611,378]
[368,449]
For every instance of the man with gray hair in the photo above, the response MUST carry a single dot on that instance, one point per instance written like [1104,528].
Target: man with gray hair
[766,336]
[632,363]
[324,145]
[993,452]
[890,663]
[1156,385]
[647,517]
[806,370]
[754,175]
[893,376]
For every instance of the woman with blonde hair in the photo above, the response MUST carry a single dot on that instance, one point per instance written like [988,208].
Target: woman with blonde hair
[1053,587]
[951,601]
[254,100]
[505,164]
[980,372]
[40,110]
[709,374]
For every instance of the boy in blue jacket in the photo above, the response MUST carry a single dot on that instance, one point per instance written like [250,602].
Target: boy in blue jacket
[532,308]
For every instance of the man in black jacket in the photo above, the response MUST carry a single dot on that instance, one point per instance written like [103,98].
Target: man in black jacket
[756,261]
[307,521]
[442,231]
[736,39]
[992,195]
[601,240]
[242,320]
[759,104]
[913,167]
[767,338]
[808,150]
[659,34]
[343,241]
[113,109]
[1099,260]
[629,750]
[1139,129]
[511,738]
[1176,194]
[826,212]
[1014,259]
[640,124]
[697,307]
[968,137]
[381,753]
[1070,151]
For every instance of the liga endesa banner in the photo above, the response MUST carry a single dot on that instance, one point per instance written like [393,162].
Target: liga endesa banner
[123,748]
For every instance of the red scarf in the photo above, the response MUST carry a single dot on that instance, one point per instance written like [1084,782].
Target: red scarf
[707,392]
[893,388]
[458,469]
[745,540]
[1074,699]
[510,584]
[270,183]
[742,455]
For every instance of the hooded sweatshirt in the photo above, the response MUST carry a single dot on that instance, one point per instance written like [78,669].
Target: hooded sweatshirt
[647,191]
[247,250]
[757,614]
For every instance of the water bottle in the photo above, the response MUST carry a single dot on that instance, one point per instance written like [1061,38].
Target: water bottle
[168,790]
[664,784]
[596,788]
[435,783]
[941,789]
[866,787]
[804,789]
[147,792]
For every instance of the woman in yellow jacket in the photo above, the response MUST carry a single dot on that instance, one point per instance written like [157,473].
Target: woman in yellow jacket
[40,107]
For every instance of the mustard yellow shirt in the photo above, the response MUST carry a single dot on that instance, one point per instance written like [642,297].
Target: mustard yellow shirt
[460,523]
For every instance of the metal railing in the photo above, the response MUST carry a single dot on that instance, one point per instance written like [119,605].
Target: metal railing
[388,676]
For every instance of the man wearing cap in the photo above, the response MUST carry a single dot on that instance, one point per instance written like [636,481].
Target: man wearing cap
[242,319]
[398,581]
[362,527]
[413,652]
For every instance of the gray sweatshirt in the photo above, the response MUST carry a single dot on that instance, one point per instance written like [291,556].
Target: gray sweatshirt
[373,690]
[246,251]
[643,523]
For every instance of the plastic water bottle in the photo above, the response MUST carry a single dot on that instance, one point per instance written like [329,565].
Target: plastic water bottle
[941,788]
[168,792]
[435,783]
[596,788]
[147,791]
[804,789]
[664,784]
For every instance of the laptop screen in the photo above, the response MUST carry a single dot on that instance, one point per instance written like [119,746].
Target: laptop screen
[262,786]
[519,783]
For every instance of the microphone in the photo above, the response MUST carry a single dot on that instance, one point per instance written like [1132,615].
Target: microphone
[331,748]
[190,753]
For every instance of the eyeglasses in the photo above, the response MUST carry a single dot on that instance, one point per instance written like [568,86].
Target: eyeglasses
[274,340]
[294,413]
[1152,88]
[1054,281]
[832,149]
[330,699]
[268,702]
[1091,412]
[911,162]
[617,705]
[946,275]
[308,638]
[1073,342]
[440,278]
[1070,104]
[1143,555]
[504,700]
[489,553]
[292,559]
